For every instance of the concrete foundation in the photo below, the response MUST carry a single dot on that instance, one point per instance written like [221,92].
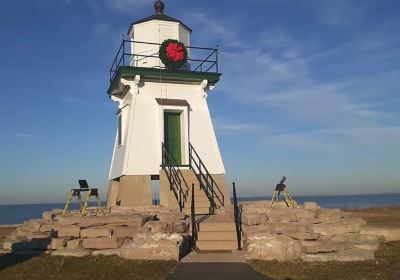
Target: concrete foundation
[130,191]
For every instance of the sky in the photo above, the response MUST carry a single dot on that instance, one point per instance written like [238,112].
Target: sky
[310,90]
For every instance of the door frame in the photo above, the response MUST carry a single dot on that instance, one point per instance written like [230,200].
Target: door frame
[184,122]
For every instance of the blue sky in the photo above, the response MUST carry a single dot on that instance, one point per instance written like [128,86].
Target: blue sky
[310,90]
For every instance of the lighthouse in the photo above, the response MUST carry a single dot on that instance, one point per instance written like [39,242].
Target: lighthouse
[160,84]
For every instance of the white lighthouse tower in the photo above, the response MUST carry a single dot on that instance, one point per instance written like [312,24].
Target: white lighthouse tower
[164,130]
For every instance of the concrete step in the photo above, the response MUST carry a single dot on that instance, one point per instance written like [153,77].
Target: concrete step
[216,245]
[217,235]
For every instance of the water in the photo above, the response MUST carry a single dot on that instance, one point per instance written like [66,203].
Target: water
[16,214]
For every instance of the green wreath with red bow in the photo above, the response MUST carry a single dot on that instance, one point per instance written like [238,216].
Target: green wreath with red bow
[173,54]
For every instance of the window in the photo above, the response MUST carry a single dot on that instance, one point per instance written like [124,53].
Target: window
[119,130]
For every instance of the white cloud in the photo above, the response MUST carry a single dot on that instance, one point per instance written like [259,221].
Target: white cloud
[126,4]
[233,128]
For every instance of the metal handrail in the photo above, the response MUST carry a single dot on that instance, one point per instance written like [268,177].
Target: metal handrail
[175,177]
[209,185]
[124,52]
[238,218]
[193,218]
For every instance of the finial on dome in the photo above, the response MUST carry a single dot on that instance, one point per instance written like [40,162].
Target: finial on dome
[159,7]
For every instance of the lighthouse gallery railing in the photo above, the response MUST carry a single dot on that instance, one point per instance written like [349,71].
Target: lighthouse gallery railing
[200,59]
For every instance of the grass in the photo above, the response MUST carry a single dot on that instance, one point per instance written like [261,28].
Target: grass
[59,268]
[385,267]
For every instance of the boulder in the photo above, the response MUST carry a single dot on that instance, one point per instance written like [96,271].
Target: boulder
[57,243]
[252,219]
[179,227]
[67,231]
[171,216]
[313,247]
[265,246]
[156,246]
[106,252]
[304,235]
[95,232]
[78,253]
[350,255]
[74,244]
[390,234]
[100,243]
[310,206]
[335,228]
[156,226]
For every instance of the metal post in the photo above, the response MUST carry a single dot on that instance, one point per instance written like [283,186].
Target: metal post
[193,209]
[123,52]
[216,58]
[237,218]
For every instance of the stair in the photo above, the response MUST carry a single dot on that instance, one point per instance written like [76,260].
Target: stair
[217,233]
[202,203]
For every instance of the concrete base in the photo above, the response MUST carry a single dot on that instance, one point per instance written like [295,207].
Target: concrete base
[130,191]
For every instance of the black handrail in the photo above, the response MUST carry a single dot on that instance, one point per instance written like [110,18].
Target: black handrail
[238,218]
[193,217]
[175,177]
[125,55]
[206,181]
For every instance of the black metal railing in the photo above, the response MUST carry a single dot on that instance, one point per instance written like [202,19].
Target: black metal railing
[135,54]
[175,177]
[193,218]
[237,210]
[205,179]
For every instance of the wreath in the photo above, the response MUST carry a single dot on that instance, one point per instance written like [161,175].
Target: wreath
[173,54]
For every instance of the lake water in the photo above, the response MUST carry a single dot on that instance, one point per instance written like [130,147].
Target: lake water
[16,214]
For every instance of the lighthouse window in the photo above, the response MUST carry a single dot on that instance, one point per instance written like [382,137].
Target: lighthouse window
[119,130]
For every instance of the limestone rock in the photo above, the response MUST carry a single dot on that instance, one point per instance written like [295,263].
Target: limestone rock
[304,235]
[95,232]
[312,247]
[78,253]
[310,206]
[350,255]
[265,246]
[155,247]
[335,228]
[67,231]
[156,226]
[57,243]
[252,219]
[390,234]
[74,244]
[100,243]
[106,252]
[171,216]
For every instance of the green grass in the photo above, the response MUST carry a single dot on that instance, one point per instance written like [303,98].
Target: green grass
[59,268]
[385,267]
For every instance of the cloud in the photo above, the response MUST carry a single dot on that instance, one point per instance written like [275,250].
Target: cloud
[26,136]
[234,128]
[126,4]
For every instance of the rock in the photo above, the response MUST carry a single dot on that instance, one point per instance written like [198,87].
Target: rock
[155,247]
[95,232]
[35,223]
[368,245]
[171,216]
[390,234]
[67,231]
[17,245]
[100,243]
[78,253]
[74,244]
[124,232]
[304,235]
[335,228]
[282,217]
[265,246]
[312,247]
[47,228]
[51,215]
[93,221]
[106,252]
[328,214]
[350,255]
[254,219]
[310,206]
[156,226]
[57,243]
[179,227]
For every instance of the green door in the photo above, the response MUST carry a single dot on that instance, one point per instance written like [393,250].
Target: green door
[172,135]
